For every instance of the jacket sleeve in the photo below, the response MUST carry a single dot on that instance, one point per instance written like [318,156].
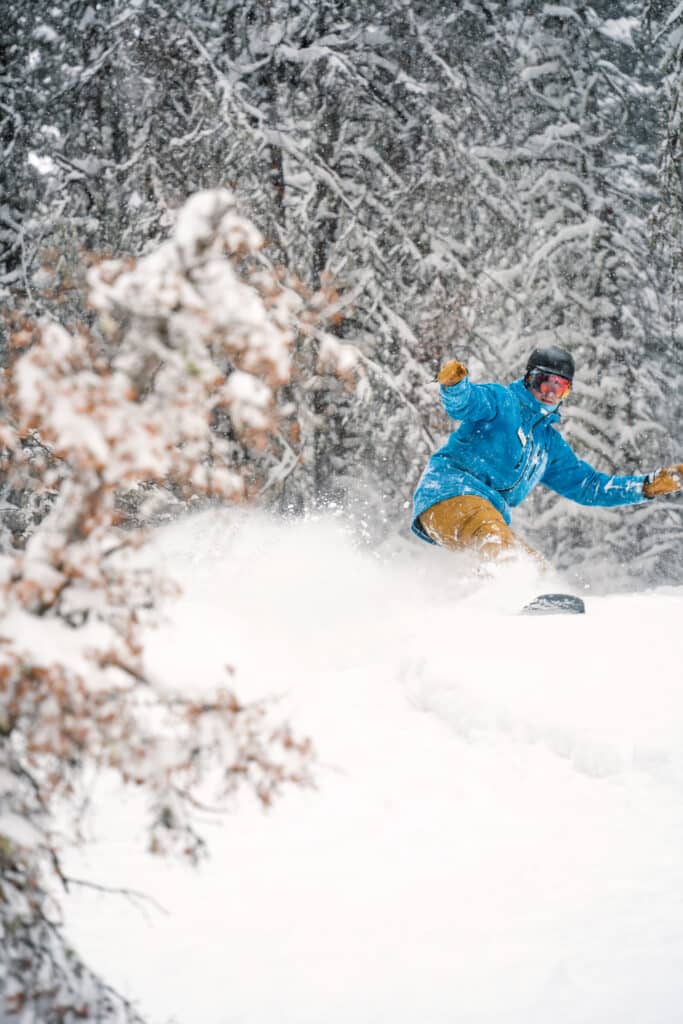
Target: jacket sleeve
[468,401]
[573,478]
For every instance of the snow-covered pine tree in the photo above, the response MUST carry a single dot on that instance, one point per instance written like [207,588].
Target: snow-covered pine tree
[112,121]
[663,20]
[582,169]
[368,115]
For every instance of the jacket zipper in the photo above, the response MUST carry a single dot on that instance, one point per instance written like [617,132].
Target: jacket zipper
[506,490]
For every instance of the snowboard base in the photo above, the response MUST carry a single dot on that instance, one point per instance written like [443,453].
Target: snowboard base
[555,604]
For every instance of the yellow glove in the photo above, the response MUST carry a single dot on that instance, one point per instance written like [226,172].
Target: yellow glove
[664,481]
[451,372]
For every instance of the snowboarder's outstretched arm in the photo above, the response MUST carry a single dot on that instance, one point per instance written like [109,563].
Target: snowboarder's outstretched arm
[575,479]
[461,399]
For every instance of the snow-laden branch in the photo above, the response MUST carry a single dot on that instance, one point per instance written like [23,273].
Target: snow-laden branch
[190,330]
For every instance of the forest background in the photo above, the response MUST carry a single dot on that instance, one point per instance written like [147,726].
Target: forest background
[431,180]
[464,179]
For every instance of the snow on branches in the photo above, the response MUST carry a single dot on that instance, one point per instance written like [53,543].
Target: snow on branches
[189,330]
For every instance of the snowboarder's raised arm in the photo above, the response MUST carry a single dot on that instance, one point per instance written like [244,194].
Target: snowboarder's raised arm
[461,399]
[570,476]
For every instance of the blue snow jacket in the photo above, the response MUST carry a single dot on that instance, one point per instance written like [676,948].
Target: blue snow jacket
[505,445]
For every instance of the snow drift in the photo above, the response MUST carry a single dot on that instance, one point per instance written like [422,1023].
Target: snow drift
[496,835]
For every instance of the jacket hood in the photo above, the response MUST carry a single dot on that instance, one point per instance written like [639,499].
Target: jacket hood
[525,396]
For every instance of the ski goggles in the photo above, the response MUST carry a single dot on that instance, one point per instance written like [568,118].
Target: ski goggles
[548,386]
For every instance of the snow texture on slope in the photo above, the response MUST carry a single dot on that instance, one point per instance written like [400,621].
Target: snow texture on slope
[498,826]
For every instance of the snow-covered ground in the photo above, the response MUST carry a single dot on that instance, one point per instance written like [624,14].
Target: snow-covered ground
[497,832]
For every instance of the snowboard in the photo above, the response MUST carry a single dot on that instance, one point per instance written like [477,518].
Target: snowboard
[555,604]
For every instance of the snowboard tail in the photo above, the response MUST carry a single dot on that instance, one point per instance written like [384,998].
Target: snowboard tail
[555,604]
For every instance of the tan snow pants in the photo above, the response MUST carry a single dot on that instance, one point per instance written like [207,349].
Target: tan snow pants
[469,522]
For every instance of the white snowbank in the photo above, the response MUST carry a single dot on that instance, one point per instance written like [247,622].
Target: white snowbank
[498,828]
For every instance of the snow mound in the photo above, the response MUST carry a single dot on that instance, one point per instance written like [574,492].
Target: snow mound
[497,829]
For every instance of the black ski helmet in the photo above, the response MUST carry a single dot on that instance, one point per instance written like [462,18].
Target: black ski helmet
[552,360]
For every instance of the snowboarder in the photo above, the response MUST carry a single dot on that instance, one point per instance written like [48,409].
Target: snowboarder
[505,445]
